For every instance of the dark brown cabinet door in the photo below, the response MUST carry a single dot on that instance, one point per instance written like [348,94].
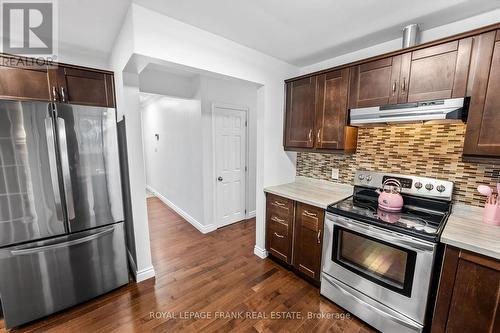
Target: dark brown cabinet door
[482,137]
[308,240]
[85,87]
[469,294]
[279,227]
[435,72]
[23,81]
[331,112]
[300,113]
[375,83]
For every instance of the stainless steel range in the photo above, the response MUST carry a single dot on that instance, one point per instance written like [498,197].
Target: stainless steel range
[378,264]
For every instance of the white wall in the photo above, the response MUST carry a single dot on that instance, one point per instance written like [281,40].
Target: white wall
[167,84]
[234,93]
[127,95]
[446,30]
[174,162]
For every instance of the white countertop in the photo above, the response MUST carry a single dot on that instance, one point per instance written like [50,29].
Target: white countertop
[313,192]
[465,229]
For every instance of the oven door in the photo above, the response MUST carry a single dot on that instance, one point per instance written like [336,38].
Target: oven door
[391,268]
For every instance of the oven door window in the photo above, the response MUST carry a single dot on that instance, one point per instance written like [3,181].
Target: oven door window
[383,263]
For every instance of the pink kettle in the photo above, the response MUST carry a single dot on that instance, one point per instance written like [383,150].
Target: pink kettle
[390,198]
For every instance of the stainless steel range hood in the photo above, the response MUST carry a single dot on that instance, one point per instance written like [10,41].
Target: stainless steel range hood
[445,110]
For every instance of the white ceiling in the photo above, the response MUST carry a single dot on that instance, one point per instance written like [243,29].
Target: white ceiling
[90,26]
[303,32]
[296,31]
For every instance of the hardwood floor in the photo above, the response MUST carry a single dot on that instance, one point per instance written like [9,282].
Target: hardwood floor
[209,275]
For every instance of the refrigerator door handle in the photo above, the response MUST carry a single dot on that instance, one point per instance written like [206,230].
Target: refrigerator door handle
[62,244]
[63,149]
[51,148]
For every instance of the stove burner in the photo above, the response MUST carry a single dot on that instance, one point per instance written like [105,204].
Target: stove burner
[413,219]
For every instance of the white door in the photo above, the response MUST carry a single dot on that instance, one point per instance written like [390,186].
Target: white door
[230,161]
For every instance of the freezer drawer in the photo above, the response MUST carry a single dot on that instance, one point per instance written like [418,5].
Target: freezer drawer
[41,278]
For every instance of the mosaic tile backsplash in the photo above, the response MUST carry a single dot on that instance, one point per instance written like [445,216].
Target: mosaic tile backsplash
[426,150]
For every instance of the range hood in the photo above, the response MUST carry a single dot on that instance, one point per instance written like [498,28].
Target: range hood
[444,110]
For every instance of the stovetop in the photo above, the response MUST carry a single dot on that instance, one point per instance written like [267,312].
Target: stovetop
[420,217]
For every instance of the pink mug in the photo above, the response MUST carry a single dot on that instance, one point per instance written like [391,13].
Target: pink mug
[491,214]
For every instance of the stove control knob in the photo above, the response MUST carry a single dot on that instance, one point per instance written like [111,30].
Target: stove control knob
[441,188]
[418,185]
[361,177]
[368,178]
[429,187]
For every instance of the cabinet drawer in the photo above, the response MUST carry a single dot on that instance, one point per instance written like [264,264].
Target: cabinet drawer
[279,205]
[279,240]
[38,279]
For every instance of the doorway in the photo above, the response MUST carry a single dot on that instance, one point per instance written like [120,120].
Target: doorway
[230,156]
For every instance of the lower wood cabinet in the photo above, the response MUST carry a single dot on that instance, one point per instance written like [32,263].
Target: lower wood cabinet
[308,236]
[469,294]
[279,227]
[294,235]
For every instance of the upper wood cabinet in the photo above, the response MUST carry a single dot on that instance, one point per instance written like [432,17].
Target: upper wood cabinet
[331,112]
[375,83]
[20,81]
[468,297]
[78,86]
[23,79]
[482,138]
[316,114]
[299,120]
[308,240]
[436,72]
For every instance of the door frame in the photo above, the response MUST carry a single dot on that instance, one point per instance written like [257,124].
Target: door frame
[214,168]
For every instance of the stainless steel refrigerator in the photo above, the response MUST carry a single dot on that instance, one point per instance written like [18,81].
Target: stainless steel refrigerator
[61,211]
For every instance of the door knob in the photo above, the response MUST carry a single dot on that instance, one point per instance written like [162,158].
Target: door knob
[220,179]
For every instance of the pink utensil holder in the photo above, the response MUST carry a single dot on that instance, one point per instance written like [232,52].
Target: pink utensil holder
[491,214]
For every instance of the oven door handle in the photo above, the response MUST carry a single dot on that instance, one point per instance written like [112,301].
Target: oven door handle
[384,235]
[404,322]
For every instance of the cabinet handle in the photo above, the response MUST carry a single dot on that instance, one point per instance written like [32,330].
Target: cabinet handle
[403,87]
[276,219]
[279,204]
[310,135]
[319,135]
[278,235]
[319,236]
[394,88]
[63,95]
[309,214]
[54,94]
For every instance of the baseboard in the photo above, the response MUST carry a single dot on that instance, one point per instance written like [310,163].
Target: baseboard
[145,274]
[202,228]
[260,252]
[251,214]
[141,275]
